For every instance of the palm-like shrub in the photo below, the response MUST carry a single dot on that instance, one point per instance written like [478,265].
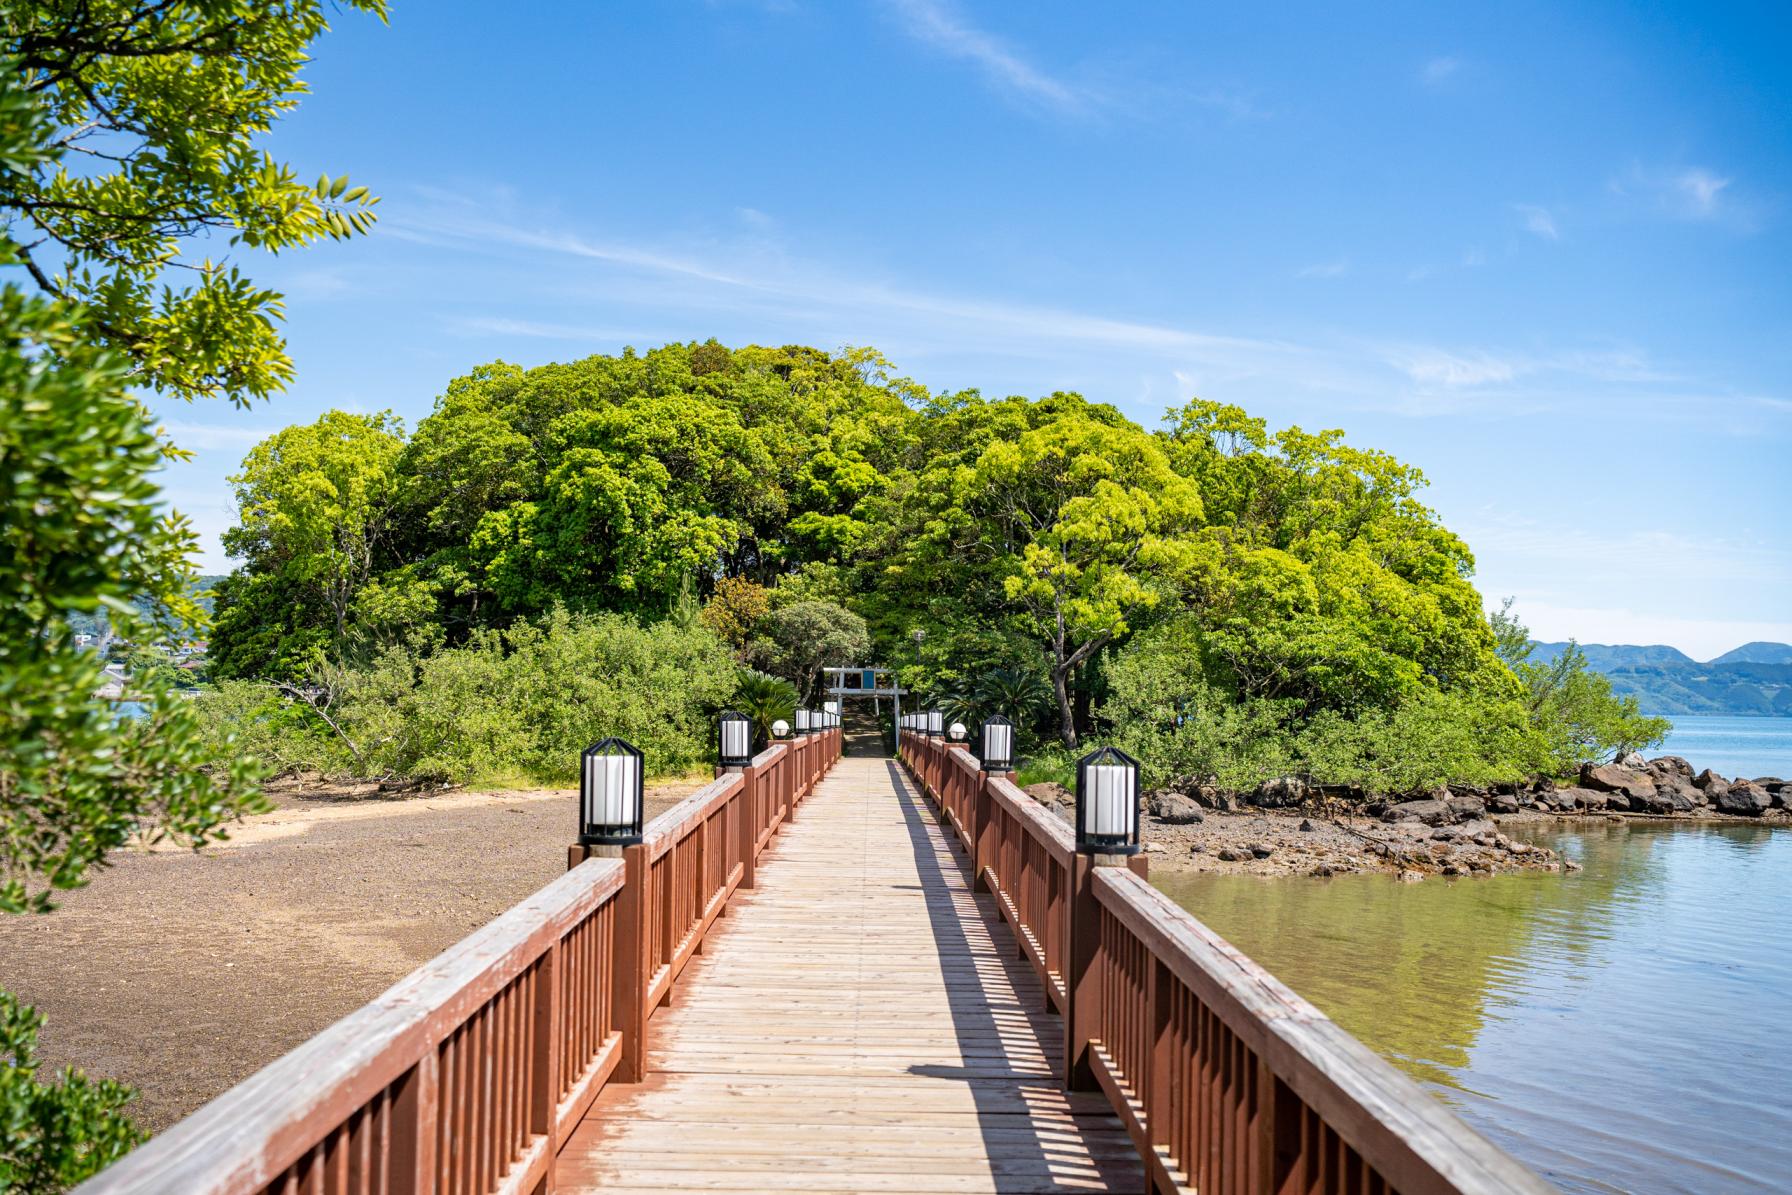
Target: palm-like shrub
[765,699]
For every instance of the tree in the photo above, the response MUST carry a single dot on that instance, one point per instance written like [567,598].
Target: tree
[1087,527]
[801,638]
[126,134]
[1572,708]
[315,502]
[735,609]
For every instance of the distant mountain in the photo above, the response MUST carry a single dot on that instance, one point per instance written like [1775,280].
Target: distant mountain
[1621,655]
[1758,653]
[1755,679]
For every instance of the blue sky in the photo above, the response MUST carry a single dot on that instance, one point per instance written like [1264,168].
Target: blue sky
[1540,251]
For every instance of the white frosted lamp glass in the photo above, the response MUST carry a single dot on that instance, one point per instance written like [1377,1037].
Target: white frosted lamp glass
[997,748]
[734,740]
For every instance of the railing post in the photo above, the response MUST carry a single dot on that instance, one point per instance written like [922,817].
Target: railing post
[747,825]
[550,1027]
[634,952]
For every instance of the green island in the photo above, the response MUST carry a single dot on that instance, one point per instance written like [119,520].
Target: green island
[1270,624]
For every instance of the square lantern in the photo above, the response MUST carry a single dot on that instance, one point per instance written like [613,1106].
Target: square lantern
[610,783]
[734,740]
[805,721]
[936,723]
[995,744]
[832,710]
[1107,803]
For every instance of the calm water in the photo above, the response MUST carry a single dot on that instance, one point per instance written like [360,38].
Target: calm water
[1733,746]
[1625,1028]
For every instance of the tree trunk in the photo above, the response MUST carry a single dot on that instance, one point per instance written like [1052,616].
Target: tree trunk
[1066,716]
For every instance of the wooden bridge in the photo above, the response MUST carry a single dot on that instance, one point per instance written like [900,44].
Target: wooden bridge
[918,986]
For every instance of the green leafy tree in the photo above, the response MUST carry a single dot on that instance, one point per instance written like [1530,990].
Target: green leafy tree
[127,135]
[800,639]
[315,503]
[1572,709]
[1084,523]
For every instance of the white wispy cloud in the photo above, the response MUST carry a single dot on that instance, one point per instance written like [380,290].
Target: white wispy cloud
[1538,220]
[754,287]
[1701,188]
[1325,269]
[937,24]
[1436,70]
[1694,193]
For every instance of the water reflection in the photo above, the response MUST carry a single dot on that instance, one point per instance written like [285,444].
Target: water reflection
[1619,1028]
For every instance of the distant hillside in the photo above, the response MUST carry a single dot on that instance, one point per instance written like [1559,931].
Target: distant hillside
[1622,655]
[1758,653]
[95,624]
[1756,678]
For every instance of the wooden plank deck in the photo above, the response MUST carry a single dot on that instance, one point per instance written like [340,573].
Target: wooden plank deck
[859,1022]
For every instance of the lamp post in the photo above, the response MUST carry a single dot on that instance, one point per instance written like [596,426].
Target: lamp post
[805,721]
[780,729]
[610,783]
[1107,803]
[995,744]
[936,724]
[956,732]
[734,740]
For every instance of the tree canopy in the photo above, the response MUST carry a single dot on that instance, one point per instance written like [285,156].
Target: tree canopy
[823,507]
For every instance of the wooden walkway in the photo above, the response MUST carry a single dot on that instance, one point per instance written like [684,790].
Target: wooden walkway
[858,1022]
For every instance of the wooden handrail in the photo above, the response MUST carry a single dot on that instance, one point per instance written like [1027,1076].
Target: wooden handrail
[469,1074]
[1225,1078]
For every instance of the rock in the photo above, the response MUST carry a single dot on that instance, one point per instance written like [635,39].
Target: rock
[1152,848]
[1450,869]
[1570,799]
[1306,827]
[1634,761]
[1670,765]
[1324,869]
[1259,850]
[1746,798]
[1506,802]
[1708,780]
[1049,792]
[1281,792]
[1173,808]
[1466,806]
[1232,855]
[1614,778]
[1772,784]
[1431,812]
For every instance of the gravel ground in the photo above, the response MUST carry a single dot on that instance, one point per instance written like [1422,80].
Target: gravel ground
[183,973]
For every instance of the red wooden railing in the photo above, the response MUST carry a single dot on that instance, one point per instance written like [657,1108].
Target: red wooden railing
[1226,1080]
[467,1076]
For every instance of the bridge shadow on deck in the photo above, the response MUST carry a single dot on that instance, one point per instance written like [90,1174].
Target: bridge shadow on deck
[1034,1143]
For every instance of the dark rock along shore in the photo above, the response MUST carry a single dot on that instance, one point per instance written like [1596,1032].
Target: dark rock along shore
[1287,826]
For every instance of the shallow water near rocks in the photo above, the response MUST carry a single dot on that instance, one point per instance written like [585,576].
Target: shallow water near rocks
[1623,1028]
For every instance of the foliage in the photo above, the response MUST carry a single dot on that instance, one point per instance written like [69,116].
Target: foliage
[145,120]
[127,134]
[315,504]
[1571,707]
[1229,601]
[734,610]
[800,639]
[765,699]
[509,706]
[55,1134]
